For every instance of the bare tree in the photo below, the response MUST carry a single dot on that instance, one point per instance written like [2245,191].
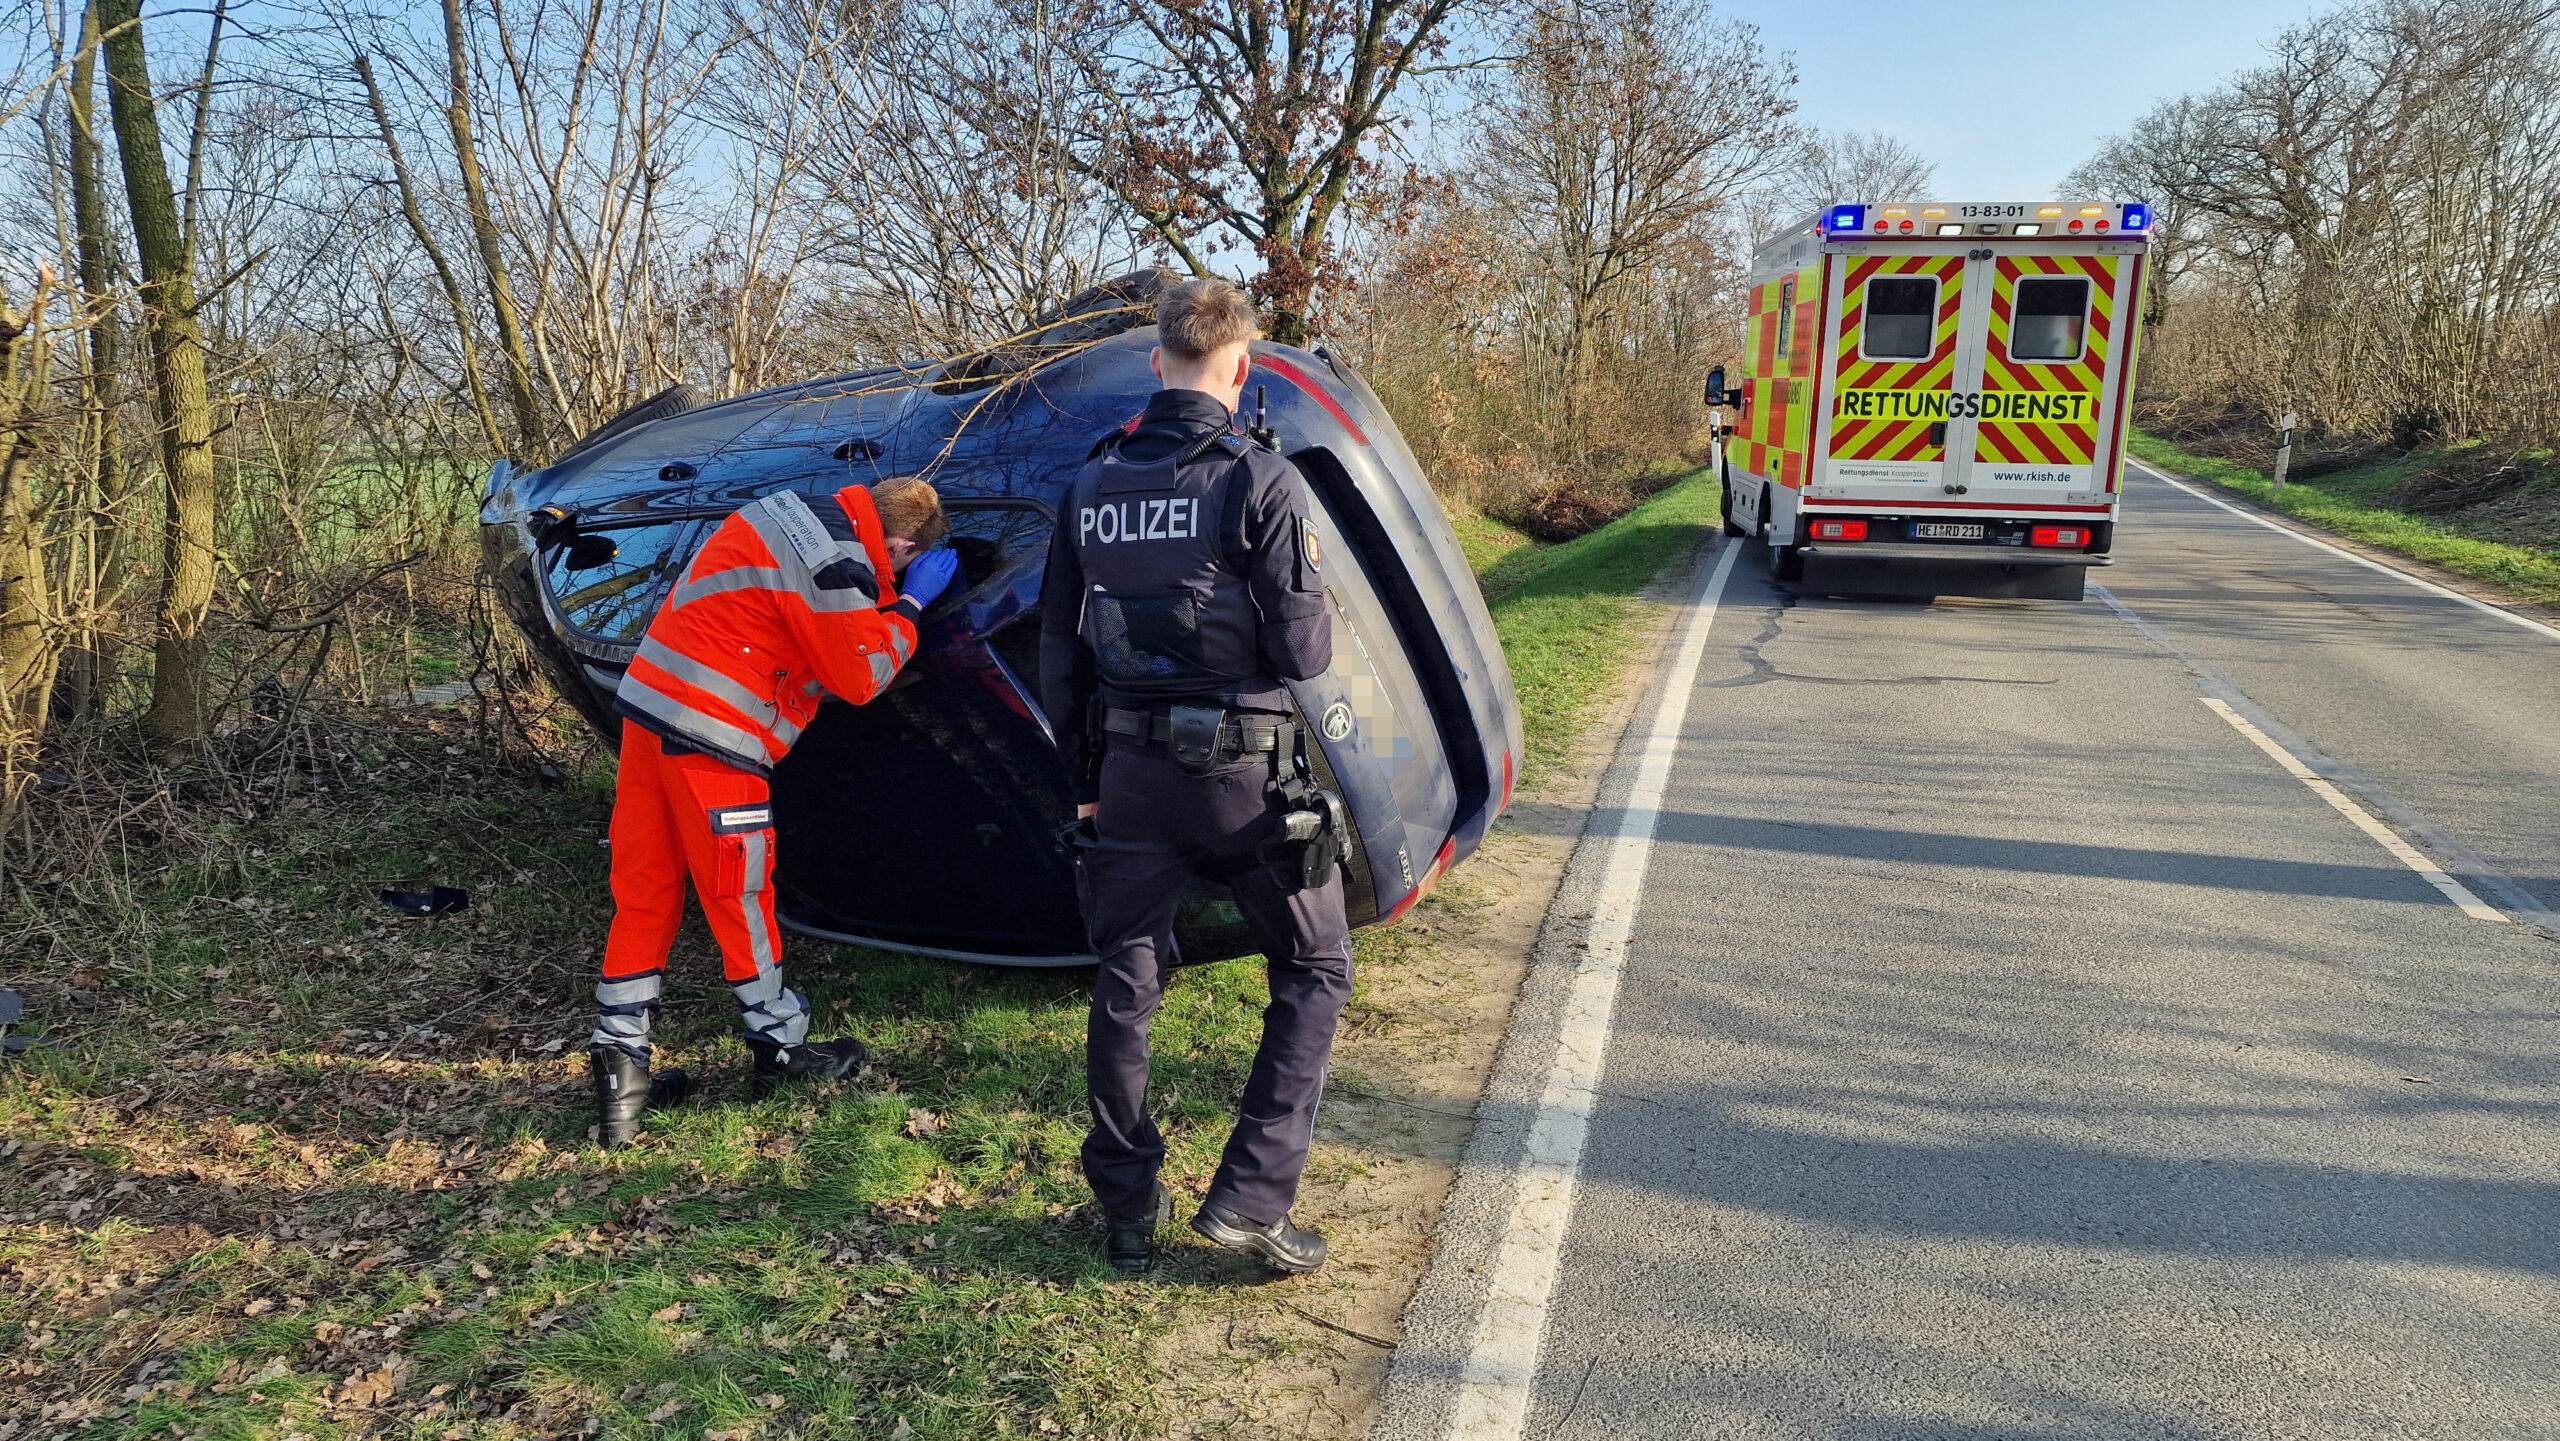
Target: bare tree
[1254,122]
[1627,126]
[169,300]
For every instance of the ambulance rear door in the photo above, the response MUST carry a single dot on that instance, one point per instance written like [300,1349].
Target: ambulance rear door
[1897,357]
[2052,348]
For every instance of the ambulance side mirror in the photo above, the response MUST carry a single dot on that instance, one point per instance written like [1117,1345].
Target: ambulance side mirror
[1716,394]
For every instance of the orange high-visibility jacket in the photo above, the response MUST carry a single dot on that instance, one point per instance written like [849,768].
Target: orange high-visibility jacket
[787,600]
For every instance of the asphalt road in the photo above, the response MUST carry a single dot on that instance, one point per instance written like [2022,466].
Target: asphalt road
[2007,1045]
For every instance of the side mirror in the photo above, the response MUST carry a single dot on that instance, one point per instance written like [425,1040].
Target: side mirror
[586,552]
[1716,395]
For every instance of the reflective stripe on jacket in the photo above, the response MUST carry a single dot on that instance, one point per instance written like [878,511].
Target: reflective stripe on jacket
[786,602]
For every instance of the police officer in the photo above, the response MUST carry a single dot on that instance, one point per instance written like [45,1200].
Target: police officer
[1183,589]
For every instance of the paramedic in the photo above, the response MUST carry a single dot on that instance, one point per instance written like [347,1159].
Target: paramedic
[791,598]
[1183,589]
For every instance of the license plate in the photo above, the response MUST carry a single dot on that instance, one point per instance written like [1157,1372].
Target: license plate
[1945,530]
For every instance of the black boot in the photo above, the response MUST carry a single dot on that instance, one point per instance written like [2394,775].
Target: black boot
[1131,1244]
[625,1089]
[808,1061]
[1280,1244]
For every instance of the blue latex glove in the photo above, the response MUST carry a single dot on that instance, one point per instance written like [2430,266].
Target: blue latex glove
[928,575]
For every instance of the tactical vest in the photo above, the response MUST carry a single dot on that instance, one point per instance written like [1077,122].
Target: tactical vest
[1167,612]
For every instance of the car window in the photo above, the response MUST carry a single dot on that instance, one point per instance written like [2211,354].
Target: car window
[607,582]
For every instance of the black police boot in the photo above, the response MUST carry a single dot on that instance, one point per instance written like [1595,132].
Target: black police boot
[625,1089]
[1282,1245]
[1131,1246]
[807,1061]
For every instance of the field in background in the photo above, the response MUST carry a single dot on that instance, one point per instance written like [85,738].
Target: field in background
[302,1167]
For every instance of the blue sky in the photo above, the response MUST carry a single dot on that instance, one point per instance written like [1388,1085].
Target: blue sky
[2008,95]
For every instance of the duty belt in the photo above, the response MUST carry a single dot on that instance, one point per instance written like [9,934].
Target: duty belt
[1238,736]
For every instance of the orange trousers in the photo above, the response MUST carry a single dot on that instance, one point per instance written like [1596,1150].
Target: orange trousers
[689,815]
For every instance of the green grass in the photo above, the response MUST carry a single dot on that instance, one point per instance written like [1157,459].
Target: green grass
[305,1168]
[1565,612]
[2344,502]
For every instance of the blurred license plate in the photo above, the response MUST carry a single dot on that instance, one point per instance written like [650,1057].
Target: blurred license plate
[1945,530]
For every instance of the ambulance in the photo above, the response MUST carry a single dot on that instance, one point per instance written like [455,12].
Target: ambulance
[1934,396]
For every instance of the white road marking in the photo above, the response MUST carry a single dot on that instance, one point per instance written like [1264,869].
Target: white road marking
[2501,612]
[2383,835]
[1492,1403]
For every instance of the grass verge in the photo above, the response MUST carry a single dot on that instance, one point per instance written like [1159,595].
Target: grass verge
[2341,502]
[299,1167]
[1565,611]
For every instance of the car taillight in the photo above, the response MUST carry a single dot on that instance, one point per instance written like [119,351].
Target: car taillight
[2064,535]
[1839,530]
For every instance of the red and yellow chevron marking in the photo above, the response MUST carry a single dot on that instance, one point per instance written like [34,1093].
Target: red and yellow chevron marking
[1773,433]
[1875,439]
[2032,442]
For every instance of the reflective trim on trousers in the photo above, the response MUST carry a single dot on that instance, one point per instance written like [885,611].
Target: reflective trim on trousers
[783,1020]
[685,720]
[771,1011]
[718,683]
[623,1009]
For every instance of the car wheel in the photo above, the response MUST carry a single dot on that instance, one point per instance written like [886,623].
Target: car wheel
[1724,493]
[1786,562]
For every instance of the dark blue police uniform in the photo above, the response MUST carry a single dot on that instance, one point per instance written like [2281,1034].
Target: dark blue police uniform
[1184,571]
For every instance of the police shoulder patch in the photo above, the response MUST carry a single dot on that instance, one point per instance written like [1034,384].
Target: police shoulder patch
[1315,547]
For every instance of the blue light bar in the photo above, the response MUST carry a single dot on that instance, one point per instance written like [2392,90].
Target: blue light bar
[1854,217]
[2137,216]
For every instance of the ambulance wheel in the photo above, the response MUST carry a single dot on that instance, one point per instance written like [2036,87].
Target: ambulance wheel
[1724,495]
[1786,562]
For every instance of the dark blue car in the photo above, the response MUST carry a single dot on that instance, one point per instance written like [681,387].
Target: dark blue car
[928,820]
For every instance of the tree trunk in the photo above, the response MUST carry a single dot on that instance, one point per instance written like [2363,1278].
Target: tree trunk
[29,645]
[484,233]
[83,665]
[176,718]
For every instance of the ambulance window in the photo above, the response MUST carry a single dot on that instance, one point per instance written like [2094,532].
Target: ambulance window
[2050,316]
[1901,319]
[1787,319]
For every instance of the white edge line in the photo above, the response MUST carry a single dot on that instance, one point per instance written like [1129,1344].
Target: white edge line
[1492,1403]
[2368,562]
[2407,854]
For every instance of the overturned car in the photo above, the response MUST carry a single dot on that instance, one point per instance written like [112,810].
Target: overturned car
[952,779]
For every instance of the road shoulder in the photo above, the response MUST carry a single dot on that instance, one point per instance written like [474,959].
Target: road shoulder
[1309,1358]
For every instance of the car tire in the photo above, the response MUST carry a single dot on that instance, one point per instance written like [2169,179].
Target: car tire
[1786,562]
[1724,493]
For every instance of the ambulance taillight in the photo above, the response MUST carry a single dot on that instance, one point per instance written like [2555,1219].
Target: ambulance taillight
[1839,530]
[2068,536]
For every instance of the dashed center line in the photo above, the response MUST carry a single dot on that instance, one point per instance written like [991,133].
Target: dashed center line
[2306,763]
[2407,854]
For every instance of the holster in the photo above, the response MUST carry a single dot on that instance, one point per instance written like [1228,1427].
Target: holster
[1312,828]
[1079,837]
